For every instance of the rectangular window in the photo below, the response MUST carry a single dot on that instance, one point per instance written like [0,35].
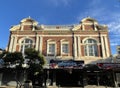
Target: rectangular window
[51,49]
[64,48]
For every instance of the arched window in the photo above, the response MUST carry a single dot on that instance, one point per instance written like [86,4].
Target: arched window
[90,47]
[26,43]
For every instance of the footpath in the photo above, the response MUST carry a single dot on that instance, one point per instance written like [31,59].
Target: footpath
[88,86]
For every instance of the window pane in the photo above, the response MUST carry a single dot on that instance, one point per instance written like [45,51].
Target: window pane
[27,43]
[65,48]
[91,53]
[96,50]
[90,41]
[86,50]
[91,48]
[52,48]
[21,48]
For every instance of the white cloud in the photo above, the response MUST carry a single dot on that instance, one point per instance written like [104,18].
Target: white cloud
[114,44]
[114,41]
[94,10]
[115,28]
[60,2]
[104,16]
[94,13]
[114,25]
[94,3]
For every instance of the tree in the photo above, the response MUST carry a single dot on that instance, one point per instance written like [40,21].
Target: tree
[2,54]
[36,63]
[34,56]
[12,57]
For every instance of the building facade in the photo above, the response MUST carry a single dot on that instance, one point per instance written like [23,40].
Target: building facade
[88,40]
[118,49]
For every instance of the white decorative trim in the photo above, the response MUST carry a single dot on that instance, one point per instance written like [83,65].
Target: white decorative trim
[64,42]
[106,46]
[33,28]
[40,46]
[95,27]
[15,27]
[11,44]
[79,47]
[76,27]
[90,38]
[51,42]
[103,46]
[75,47]
[90,19]
[21,28]
[88,23]
[37,41]
[15,43]
[28,37]
[62,35]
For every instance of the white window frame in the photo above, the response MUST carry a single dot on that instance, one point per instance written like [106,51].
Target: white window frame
[64,42]
[24,44]
[66,50]
[48,45]
[87,48]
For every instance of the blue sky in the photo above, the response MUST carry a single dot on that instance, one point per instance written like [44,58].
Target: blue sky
[52,12]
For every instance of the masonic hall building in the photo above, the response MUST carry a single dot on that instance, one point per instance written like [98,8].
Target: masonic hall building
[88,40]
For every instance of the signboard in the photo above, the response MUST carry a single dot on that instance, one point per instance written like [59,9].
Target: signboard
[108,65]
[66,64]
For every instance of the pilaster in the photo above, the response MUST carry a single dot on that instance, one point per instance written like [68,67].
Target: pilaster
[40,42]
[75,47]
[37,42]
[103,47]
[14,43]
[79,47]
[11,44]
[106,46]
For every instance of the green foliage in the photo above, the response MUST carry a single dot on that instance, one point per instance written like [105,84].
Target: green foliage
[42,59]
[34,55]
[3,54]
[36,62]
[31,53]
[13,57]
